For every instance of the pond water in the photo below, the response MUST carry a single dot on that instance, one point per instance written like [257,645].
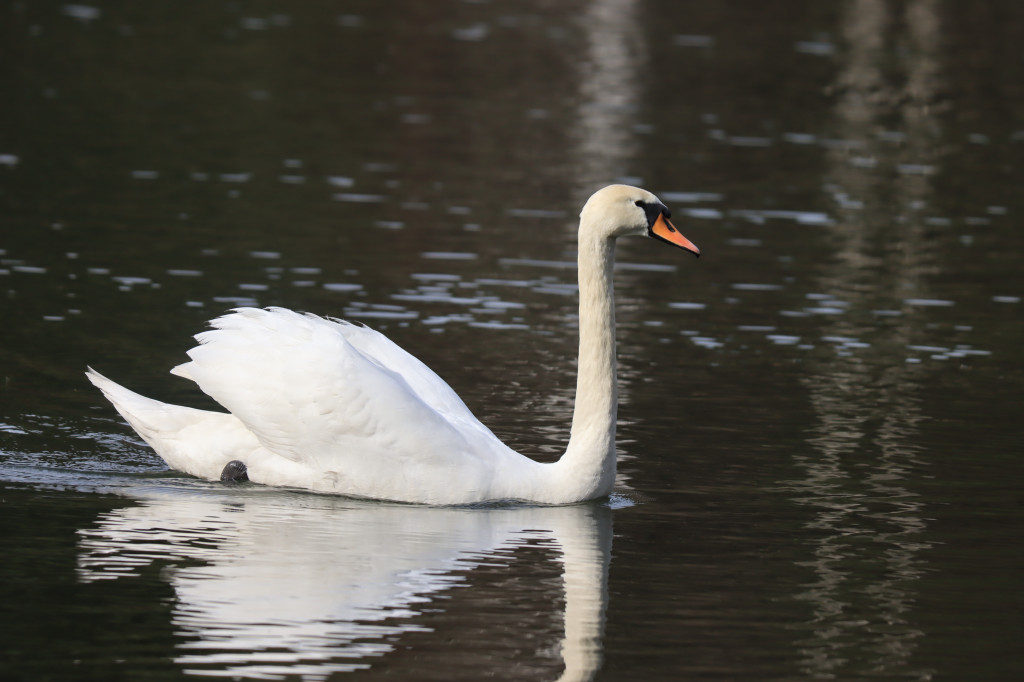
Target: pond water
[820,423]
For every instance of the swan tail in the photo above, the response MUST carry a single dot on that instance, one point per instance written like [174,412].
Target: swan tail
[188,440]
[147,416]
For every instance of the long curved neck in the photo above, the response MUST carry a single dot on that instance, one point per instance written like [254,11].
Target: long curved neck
[589,459]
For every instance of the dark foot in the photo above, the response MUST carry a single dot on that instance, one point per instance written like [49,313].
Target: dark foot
[234,472]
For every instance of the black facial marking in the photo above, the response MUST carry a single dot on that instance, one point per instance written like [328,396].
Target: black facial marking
[653,211]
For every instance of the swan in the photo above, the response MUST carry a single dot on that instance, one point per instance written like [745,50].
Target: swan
[330,406]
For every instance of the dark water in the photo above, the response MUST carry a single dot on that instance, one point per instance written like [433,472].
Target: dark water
[820,459]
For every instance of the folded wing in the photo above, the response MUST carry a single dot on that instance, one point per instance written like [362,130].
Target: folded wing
[340,398]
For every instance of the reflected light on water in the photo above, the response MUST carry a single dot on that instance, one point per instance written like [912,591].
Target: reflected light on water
[271,584]
[860,472]
[609,93]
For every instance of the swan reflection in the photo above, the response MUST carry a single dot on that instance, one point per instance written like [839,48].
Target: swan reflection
[270,584]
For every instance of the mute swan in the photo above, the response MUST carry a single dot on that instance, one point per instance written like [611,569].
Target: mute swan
[330,406]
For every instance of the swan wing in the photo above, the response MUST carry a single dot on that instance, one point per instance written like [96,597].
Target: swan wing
[423,381]
[339,398]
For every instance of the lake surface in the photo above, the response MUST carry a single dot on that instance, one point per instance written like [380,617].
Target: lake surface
[820,425]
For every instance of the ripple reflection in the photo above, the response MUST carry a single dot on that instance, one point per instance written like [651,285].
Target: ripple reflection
[271,584]
[860,471]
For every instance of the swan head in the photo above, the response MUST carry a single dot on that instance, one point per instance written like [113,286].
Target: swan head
[621,210]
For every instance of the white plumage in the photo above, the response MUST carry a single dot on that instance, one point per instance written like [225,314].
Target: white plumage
[330,406]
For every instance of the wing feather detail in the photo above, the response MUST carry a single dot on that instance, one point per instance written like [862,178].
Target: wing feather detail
[336,396]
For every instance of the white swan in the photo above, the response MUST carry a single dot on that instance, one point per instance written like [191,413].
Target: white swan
[334,407]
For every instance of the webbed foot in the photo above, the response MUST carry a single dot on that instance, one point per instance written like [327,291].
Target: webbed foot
[235,471]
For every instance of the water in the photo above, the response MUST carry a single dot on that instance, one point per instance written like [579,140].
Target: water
[819,431]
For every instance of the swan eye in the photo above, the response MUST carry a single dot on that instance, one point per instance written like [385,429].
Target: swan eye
[639,203]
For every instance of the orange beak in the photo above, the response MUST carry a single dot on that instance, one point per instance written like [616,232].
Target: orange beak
[664,230]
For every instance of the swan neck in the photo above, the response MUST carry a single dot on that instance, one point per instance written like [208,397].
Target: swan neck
[590,456]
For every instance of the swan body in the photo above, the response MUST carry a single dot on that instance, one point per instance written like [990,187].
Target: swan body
[334,407]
